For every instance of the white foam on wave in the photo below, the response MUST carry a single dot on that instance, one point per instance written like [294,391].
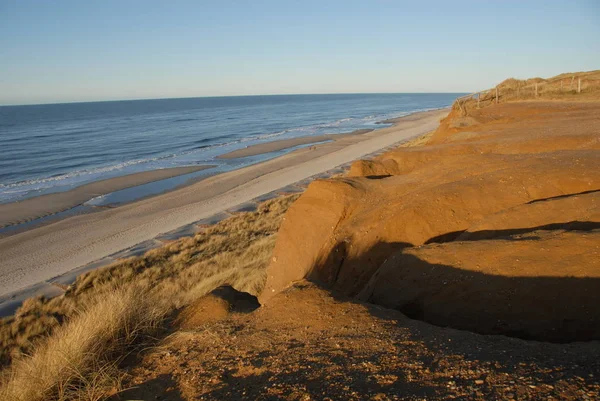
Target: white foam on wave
[18,189]
[38,183]
[309,128]
[77,173]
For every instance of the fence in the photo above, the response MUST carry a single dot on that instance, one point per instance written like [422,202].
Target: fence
[536,88]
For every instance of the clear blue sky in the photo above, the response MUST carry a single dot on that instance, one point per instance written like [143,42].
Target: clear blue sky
[60,51]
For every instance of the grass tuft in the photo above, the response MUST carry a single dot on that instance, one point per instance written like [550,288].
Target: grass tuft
[79,359]
[72,346]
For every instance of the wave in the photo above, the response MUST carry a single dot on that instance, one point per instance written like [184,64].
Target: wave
[372,118]
[200,146]
[345,124]
[107,169]
[180,120]
[310,128]
[78,173]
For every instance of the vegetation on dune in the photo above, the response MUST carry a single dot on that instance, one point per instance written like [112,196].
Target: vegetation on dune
[80,359]
[558,87]
[71,346]
[567,86]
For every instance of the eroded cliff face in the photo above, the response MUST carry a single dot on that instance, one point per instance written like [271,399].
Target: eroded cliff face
[490,228]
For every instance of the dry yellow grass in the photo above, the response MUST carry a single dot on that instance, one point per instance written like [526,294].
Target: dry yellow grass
[75,341]
[79,360]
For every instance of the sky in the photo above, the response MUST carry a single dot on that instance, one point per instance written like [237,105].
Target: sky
[67,51]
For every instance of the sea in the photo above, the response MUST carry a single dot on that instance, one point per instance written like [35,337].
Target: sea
[56,147]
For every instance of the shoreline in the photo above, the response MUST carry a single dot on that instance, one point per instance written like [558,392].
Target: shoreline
[282,144]
[41,210]
[37,207]
[43,253]
[37,211]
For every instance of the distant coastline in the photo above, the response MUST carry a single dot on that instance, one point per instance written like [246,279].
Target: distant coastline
[76,241]
[55,148]
[36,211]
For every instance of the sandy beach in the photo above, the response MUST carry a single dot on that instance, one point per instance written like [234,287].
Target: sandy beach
[42,253]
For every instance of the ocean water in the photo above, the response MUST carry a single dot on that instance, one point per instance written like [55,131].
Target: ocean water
[49,148]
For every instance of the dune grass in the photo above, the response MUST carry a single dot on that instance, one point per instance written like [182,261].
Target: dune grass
[80,359]
[71,346]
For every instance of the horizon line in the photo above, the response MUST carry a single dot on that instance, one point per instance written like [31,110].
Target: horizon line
[222,96]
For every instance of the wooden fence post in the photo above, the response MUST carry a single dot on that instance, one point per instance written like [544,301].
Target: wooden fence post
[578,85]
[536,92]
[496,95]
[478,98]
[572,79]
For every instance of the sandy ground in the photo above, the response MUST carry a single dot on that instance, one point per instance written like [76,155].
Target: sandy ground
[41,206]
[281,144]
[34,256]
[309,345]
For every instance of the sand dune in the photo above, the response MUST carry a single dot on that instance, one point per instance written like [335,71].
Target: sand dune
[522,188]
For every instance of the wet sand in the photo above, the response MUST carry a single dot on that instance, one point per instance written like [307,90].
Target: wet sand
[45,205]
[45,252]
[282,144]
